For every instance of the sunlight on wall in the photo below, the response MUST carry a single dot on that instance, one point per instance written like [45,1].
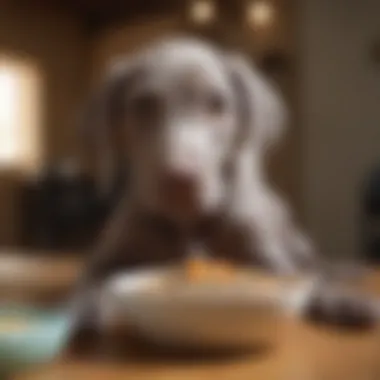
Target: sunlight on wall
[8,124]
[20,115]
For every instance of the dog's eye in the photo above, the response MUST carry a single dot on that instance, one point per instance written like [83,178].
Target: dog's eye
[146,107]
[215,104]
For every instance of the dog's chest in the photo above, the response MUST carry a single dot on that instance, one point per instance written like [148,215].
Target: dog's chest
[159,242]
[232,241]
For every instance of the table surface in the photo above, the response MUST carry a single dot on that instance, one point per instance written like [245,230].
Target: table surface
[36,276]
[302,352]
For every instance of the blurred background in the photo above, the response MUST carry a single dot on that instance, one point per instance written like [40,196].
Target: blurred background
[325,56]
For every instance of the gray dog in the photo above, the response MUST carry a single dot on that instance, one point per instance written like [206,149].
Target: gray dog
[194,124]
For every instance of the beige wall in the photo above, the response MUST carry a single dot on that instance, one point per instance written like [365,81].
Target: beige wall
[55,42]
[341,118]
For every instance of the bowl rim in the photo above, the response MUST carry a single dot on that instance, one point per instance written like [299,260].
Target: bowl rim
[40,320]
[134,285]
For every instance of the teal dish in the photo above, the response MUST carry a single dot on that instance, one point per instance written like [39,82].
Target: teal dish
[38,342]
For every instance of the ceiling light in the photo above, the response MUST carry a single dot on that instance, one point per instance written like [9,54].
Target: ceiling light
[260,13]
[202,11]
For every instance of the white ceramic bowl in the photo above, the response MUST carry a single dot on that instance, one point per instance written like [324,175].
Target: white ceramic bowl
[167,310]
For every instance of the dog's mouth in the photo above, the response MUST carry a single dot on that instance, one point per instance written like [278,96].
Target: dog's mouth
[179,195]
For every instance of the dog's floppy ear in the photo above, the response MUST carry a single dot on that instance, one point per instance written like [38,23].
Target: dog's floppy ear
[261,108]
[102,125]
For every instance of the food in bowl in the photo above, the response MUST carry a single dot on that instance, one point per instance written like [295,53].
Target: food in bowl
[200,270]
[204,272]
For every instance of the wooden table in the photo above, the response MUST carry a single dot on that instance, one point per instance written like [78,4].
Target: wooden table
[36,276]
[303,352]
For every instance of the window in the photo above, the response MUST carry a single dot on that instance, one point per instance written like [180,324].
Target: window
[20,115]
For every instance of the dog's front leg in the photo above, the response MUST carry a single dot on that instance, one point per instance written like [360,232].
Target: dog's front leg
[329,300]
[114,253]
[336,305]
[281,249]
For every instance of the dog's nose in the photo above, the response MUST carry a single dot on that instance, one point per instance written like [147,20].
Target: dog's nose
[178,183]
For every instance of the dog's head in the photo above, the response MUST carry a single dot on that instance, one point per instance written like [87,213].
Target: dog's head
[180,113]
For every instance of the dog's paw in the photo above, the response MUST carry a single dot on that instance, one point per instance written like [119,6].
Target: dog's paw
[342,309]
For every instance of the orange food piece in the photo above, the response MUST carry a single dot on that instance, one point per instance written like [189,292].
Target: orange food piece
[201,269]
